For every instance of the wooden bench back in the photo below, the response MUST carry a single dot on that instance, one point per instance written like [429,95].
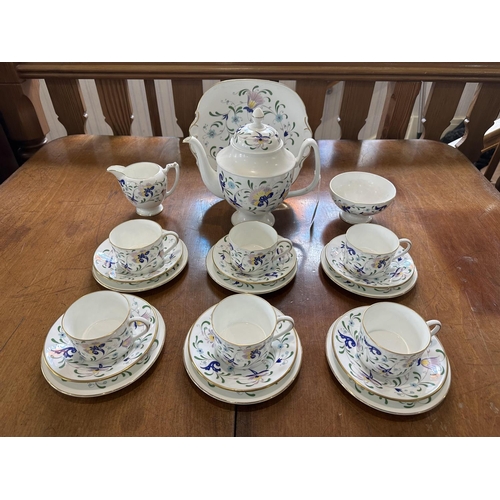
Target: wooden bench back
[26,127]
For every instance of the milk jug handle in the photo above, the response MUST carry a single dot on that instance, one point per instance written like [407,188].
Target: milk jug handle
[317,167]
[165,170]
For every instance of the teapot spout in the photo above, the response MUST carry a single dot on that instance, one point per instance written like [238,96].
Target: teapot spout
[117,170]
[208,174]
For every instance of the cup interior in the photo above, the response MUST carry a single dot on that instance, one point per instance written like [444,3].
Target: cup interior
[96,315]
[134,234]
[396,328]
[142,170]
[363,187]
[243,319]
[372,238]
[253,235]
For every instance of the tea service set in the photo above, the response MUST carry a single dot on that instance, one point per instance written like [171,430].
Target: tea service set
[243,350]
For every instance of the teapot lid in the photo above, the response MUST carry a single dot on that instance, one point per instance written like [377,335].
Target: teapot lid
[256,136]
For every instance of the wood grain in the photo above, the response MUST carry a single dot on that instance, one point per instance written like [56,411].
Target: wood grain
[58,207]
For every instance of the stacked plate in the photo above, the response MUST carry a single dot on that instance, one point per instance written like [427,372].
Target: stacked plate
[398,280]
[67,372]
[113,277]
[219,268]
[243,386]
[418,391]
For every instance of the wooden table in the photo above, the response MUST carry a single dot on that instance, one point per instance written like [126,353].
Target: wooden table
[62,204]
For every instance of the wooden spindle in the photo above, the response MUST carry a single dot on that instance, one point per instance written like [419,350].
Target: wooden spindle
[313,93]
[115,102]
[187,93]
[356,102]
[154,114]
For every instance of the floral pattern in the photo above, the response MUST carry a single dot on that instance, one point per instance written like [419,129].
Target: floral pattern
[64,360]
[427,377]
[202,348]
[398,272]
[234,112]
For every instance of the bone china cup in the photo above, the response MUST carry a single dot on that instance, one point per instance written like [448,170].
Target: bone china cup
[245,327]
[370,249]
[139,245]
[255,247]
[393,338]
[99,323]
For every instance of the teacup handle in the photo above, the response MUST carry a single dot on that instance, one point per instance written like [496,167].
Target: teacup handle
[165,233]
[165,170]
[285,241]
[139,319]
[405,250]
[436,324]
[279,319]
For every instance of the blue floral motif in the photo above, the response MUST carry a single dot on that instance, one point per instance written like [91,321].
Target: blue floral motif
[66,352]
[214,365]
[372,348]
[96,349]
[349,342]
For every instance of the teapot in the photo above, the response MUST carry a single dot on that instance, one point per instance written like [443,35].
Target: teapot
[255,171]
[145,185]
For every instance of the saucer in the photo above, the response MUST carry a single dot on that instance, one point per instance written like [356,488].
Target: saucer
[239,286]
[277,365]
[421,382]
[105,263]
[63,361]
[364,291]
[241,398]
[222,261]
[378,402]
[399,272]
[110,385]
[142,286]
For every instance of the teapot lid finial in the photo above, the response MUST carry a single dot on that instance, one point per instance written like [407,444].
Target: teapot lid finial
[257,117]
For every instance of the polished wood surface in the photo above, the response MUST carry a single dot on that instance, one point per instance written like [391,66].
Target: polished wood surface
[61,204]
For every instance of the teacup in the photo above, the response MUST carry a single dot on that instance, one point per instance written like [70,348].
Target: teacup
[370,249]
[139,245]
[393,338]
[99,324]
[245,327]
[255,247]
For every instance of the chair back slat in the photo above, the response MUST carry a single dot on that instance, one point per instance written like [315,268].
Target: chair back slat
[312,92]
[397,109]
[483,110]
[354,109]
[187,93]
[115,103]
[440,108]
[154,114]
[68,103]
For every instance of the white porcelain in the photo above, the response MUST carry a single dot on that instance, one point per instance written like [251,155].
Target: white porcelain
[236,397]
[236,285]
[359,289]
[104,262]
[145,185]
[393,338]
[284,264]
[139,245]
[425,378]
[100,324]
[270,370]
[360,195]
[110,385]
[378,402]
[65,362]
[255,171]
[255,247]
[140,285]
[244,327]
[399,271]
[370,249]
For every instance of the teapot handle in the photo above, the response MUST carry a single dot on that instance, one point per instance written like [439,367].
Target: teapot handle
[165,170]
[317,167]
